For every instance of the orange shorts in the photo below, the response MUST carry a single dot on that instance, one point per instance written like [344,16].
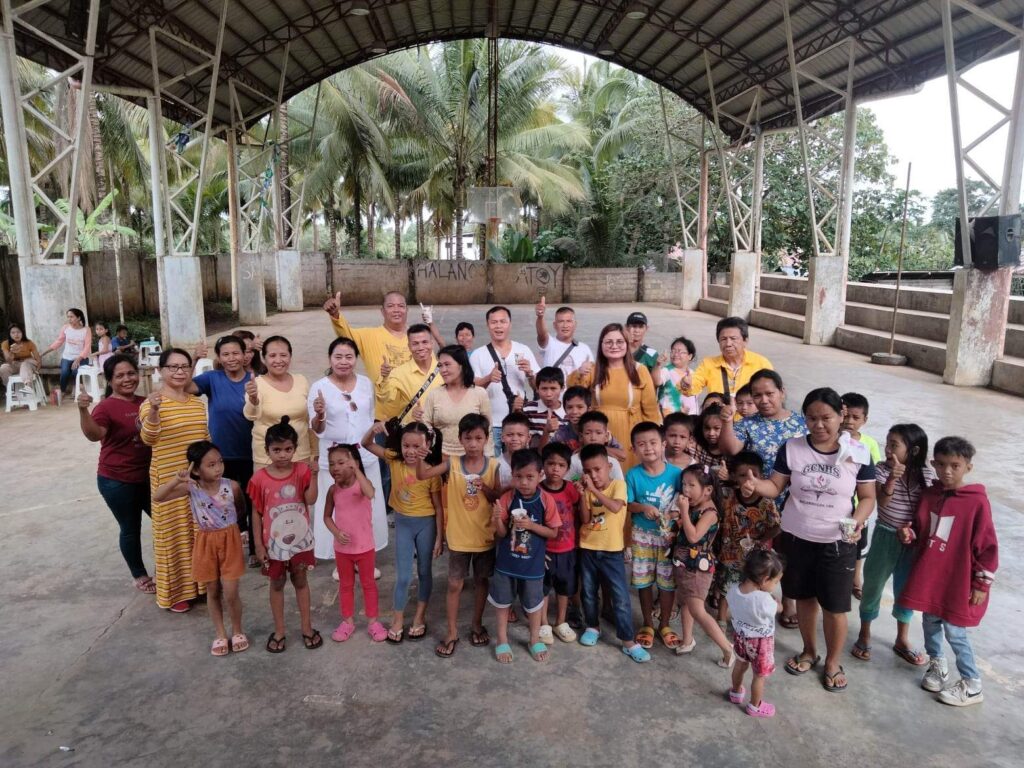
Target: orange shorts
[217,555]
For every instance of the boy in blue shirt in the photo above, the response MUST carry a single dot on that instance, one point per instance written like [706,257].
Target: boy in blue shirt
[651,489]
[524,519]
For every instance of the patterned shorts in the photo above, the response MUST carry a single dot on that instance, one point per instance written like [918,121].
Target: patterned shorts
[651,561]
[759,652]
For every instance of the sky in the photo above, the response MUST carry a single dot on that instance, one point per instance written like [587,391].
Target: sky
[918,128]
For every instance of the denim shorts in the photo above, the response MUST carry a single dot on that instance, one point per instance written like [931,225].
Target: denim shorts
[504,589]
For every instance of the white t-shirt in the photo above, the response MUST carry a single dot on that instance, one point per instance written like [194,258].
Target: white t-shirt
[753,614]
[580,354]
[482,364]
[576,469]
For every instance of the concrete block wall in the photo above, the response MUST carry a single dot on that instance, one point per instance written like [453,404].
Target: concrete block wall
[314,278]
[364,282]
[523,283]
[450,282]
[661,287]
[598,285]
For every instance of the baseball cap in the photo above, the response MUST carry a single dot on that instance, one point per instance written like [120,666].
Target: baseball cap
[636,318]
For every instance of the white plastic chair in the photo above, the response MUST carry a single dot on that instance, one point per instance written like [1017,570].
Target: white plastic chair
[203,365]
[18,399]
[90,375]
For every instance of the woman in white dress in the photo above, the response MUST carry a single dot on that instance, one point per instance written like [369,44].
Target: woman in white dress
[341,411]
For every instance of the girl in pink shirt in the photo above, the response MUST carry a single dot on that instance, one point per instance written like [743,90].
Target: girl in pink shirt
[348,515]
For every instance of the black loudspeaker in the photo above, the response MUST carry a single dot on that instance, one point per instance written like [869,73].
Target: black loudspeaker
[995,242]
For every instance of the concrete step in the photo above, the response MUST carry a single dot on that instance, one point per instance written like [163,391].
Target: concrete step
[918,299]
[913,323]
[1014,346]
[1008,375]
[716,291]
[783,284]
[1016,311]
[921,353]
[711,306]
[793,303]
[776,320]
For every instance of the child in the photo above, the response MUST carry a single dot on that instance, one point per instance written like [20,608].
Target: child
[601,546]
[749,523]
[520,551]
[104,348]
[515,435]
[709,428]
[465,336]
[695,565]
[560,574]
[679,442]
[545,413]
[855,416]
[671,387]
[745,402]
[576,402]
[753,617]
[281,495]
[651,489]
[593,430]
[417,505]
[348,515]
[711,399]
[465,523]
[899,480]
[121,344]
[217,560]
[957,557]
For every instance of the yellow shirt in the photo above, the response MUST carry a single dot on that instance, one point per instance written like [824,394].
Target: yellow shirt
[709,373]
[375,345]
[395,392]
[604,531]
[468,518]
[409,496]
[273,405]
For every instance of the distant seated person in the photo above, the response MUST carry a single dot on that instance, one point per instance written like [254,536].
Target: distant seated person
[735,365]
[20,358]
[121,344]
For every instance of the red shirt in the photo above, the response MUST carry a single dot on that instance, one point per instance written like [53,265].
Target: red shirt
[123,456]
[957,552]
[567,502]
[281,504]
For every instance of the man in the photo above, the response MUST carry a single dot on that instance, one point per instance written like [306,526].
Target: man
[380,347]
[502,359]
[562,351]
[397,388]
[636,329]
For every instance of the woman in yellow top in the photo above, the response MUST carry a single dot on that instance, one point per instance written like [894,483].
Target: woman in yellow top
[276,394]
[622,390]
[738,363]
[170,420]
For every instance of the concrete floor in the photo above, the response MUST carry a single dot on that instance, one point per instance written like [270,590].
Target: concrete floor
[91,664]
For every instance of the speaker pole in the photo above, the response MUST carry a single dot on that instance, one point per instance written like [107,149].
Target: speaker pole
[890,357]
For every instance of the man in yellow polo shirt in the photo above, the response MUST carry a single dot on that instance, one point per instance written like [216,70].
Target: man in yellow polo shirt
[738,362]
[396,388]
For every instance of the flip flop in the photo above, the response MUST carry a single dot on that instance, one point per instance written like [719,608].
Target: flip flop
[417,632]
[313,641]
[145,584]
[478,638]
[220,647]
[789,622]
[503,649]
[276,644]
[538,652]
[910,656]
[829,681]
[862,652]
[447,648]
[799,661]
[238,643]
[395,637]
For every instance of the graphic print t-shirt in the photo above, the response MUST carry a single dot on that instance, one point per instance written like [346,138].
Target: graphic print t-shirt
[658,491]
[281,504]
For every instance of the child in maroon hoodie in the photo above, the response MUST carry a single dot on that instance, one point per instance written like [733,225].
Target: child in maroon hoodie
[957,556]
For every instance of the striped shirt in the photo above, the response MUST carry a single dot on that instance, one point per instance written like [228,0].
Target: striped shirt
[899,510]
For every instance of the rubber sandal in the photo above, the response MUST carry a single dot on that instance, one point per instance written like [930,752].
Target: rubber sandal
[503,649]
[145,584]
[313,641]
[645,637]
[182,606]
[276,644]
[910,656]
[538,652]
[343,632]
[377,631]
[564,633]
[669,637]
[766,709]
[637,653]
[860,651]
[220,647]
[799,661]
[736,697]
[829,681]
[417,632]
[682,650]
[789,622]
[239,643]
[395,637]
[590,637]
[727,663]
[447,649]
[478,638]
[547,636]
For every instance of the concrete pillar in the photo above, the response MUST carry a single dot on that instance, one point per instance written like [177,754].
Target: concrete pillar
[743,283]
[826,300]
[693,278]
[234,213]
[186,325]
[289,281]
[252,296]
[158,195]
[47,292]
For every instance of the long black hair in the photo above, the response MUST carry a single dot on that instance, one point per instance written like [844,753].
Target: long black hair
[916,441]
[24,336]
[461,358]
[432,438]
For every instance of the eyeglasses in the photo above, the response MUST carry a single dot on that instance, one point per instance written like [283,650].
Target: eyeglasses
[178,368]
[351,403]
[613,343]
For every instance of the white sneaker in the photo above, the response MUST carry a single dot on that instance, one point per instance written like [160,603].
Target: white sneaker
[936,676]
[546,635]
[958,695]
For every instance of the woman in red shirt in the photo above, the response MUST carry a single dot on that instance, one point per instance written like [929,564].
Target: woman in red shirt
[123,472]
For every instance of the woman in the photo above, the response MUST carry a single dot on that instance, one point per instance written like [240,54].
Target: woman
[763,433]
[737,362]
[827,468]
[76,338]
[123,473]
[21,358]
[253,345]
[277,393]
[622,390]
[340,409]
[444,406]
[171,420]
[224,388]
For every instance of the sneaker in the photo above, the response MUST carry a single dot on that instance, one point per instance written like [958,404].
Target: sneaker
[546,635]
[936,676]
[959,695]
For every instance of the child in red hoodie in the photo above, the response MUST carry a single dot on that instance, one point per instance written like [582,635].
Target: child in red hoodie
[957,556]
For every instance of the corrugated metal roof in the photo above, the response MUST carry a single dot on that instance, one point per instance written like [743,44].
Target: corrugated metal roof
[899,43]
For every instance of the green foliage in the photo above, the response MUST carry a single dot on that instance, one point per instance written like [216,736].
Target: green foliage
[514,248]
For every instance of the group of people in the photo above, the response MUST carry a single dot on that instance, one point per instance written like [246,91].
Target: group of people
[557,480]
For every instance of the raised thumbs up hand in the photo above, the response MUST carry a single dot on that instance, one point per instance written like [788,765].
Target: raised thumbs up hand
[251,391]
[319,404]
[542,306]
[897,469]
[333,305]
